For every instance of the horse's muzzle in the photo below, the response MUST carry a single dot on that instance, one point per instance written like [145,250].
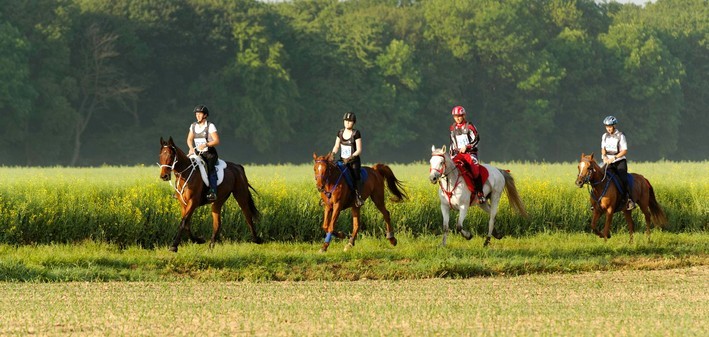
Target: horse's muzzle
[165,177]
[434,177]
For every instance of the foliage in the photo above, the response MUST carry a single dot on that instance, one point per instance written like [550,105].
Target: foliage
[537,77]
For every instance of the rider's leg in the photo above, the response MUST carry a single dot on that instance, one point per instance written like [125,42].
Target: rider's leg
[622,169]
[211,161]
[355,166]
[477,180]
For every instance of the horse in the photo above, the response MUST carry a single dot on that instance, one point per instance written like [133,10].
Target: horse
[191,192]
[336,196]
[606,198]
[454,194]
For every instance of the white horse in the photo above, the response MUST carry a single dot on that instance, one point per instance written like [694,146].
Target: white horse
[454,193]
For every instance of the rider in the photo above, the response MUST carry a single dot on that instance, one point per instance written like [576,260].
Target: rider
[203,139]
[349,142]
[464,147]
[613,150]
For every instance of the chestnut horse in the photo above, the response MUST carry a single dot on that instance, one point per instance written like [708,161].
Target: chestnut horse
[605,198]
[191,192]
[337,196]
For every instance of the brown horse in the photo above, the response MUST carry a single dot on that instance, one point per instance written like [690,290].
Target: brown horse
[337,196]
[605,198]
[191,192]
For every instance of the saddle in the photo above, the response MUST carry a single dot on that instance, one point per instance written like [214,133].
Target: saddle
[468,175]
[219,168]
[348,175]
[616,180]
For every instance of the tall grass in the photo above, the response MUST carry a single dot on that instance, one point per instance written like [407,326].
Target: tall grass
[131,206]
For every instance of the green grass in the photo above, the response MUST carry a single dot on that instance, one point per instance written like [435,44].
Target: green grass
[618,303]
[372,258]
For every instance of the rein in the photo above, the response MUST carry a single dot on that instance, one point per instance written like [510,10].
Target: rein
[592,185]
[324,177]
[178,175]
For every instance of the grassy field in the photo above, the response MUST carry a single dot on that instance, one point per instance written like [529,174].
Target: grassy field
[618,303]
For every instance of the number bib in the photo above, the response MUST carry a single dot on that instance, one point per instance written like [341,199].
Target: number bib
[345,151]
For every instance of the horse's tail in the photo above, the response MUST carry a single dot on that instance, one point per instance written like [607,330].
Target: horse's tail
[252,205]
[395,186]
[656,213]
[512,194]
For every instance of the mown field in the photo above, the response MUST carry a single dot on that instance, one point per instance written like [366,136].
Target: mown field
[131,206]
[617,303]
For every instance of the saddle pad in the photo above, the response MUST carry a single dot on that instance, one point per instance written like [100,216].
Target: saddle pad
[221,165]
[348,175]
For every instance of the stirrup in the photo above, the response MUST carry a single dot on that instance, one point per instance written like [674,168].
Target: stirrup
[358,200]
[631,205]
[481,198]
[211,196]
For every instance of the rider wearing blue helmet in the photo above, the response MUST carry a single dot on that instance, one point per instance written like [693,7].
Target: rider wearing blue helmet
[613,150]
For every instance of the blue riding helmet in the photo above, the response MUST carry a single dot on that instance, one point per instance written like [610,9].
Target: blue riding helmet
[610,120]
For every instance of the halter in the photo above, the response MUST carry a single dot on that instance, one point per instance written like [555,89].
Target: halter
[178,175]
[324,177]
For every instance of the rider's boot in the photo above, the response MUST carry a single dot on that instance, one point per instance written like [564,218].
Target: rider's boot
[631,203]
[479,189]
[212,194]
[358,197]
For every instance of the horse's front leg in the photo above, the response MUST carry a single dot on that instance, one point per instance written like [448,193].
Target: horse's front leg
[594,220]
[462,212]
[607,225]
[445,211]
[187,211]
[355,228]
[329,227]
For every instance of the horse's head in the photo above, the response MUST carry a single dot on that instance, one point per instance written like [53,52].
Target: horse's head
[587,166]
[168,158]
[322,170]
[438,164]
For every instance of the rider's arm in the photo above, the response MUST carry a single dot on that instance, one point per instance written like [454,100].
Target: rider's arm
[336,147]
[190,141]
[215,139]
[358,141]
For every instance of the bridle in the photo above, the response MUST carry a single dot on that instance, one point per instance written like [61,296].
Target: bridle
[442,171]
[178,175]
[324,178]
[444,174]
[591,185]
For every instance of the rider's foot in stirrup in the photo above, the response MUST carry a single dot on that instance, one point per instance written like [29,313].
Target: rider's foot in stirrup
[481,198]
[358,200]
[211,196]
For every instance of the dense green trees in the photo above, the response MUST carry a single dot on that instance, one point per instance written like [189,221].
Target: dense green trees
[90,82]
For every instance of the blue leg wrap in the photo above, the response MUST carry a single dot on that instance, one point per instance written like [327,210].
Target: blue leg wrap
[328,237]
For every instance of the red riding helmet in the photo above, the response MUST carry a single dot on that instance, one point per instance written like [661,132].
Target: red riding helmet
[458,110]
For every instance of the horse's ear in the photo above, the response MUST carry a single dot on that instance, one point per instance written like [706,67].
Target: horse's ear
[591,155]
[433,148]
[162,142]
[443,149]
[170,141]
[583,154]
[315,156]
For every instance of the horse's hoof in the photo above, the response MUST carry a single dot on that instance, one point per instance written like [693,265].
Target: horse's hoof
[348,246]
[199,240]
[340,235]
[467,235]
[257,240]
[393,241]
[322,251]
[487,242]
[497,234]
[173,249]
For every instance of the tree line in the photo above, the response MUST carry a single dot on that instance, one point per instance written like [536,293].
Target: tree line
[91,82]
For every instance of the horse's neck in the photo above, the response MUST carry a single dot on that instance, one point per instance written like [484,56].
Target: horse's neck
[183,162]
[451,173]
[598,174]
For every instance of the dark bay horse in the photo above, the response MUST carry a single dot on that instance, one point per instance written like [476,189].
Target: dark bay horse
[337,196]
[605,198]
[191,192]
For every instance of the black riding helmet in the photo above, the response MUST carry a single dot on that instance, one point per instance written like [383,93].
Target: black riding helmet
[201,108]
[350,116]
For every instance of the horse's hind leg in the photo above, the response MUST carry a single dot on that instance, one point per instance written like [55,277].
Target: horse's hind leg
[355,228]
[216,223]
[242,199]
[378,199]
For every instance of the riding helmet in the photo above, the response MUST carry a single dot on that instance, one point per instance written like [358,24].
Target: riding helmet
[202,108]
[350,116]
[610,120]
[458,110]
